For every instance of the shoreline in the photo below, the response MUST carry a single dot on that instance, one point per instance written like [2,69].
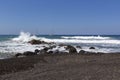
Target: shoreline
[101,43]
[60,62]
[55,66]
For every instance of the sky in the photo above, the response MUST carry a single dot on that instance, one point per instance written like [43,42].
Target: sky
[60,16]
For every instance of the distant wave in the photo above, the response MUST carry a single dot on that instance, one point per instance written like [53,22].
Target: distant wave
[85,37]
[83,41]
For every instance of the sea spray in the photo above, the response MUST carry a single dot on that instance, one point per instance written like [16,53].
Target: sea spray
[25,37]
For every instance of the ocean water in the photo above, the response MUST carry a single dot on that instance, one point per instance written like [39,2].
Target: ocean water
[12,44]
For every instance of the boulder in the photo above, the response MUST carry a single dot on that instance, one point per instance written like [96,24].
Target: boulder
[82,51]
[71,49]
[46,49]
[42,51]
[56,52]
[33,42]
[37,51]
[50,52]
[79,47]
[92,48]
[51,47]
[18,54]
[29,53]
[61,45]
[51,43]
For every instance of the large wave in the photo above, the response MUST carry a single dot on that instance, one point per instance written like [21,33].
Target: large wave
[25,37]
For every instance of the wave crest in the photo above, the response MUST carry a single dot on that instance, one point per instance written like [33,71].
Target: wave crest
[85,37]
[24,37]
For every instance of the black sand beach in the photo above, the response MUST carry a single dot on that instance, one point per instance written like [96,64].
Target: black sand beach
[59,39]
[62,67]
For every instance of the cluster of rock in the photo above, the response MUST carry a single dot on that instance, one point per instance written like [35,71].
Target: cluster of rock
[34,42]
[48,50]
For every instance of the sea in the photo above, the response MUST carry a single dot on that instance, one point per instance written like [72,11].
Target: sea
[12,44]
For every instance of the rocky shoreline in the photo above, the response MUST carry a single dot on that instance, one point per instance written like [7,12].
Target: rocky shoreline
[49,63]
[53,48]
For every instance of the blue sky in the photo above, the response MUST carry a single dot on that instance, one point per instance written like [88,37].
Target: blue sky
[60,16]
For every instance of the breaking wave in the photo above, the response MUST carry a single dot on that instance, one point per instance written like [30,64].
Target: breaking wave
[24,37]
[84,41]
[86,37]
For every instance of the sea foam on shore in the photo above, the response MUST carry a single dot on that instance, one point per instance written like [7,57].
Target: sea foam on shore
[19,44]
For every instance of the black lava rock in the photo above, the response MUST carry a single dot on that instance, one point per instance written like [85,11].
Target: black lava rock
[71,49]
[92,48]
[82,51]
[18,54]
[29,53]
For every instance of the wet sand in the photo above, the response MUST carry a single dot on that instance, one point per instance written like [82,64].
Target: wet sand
[62,67]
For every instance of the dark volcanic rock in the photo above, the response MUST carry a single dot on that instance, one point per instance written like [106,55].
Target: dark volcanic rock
[61,45]
[37,51]
[36,42]
[92,48]
[50,52]
[29,53]
[50,43]
[82,51]
[18,54]
[46,48]
[33,42]
[42,51]
[71,49]
[51,47]
[79,47]
[56,52]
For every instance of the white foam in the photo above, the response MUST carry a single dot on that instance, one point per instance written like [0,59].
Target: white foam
[82,41]
[59,48]
[85,37]
[24,37]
